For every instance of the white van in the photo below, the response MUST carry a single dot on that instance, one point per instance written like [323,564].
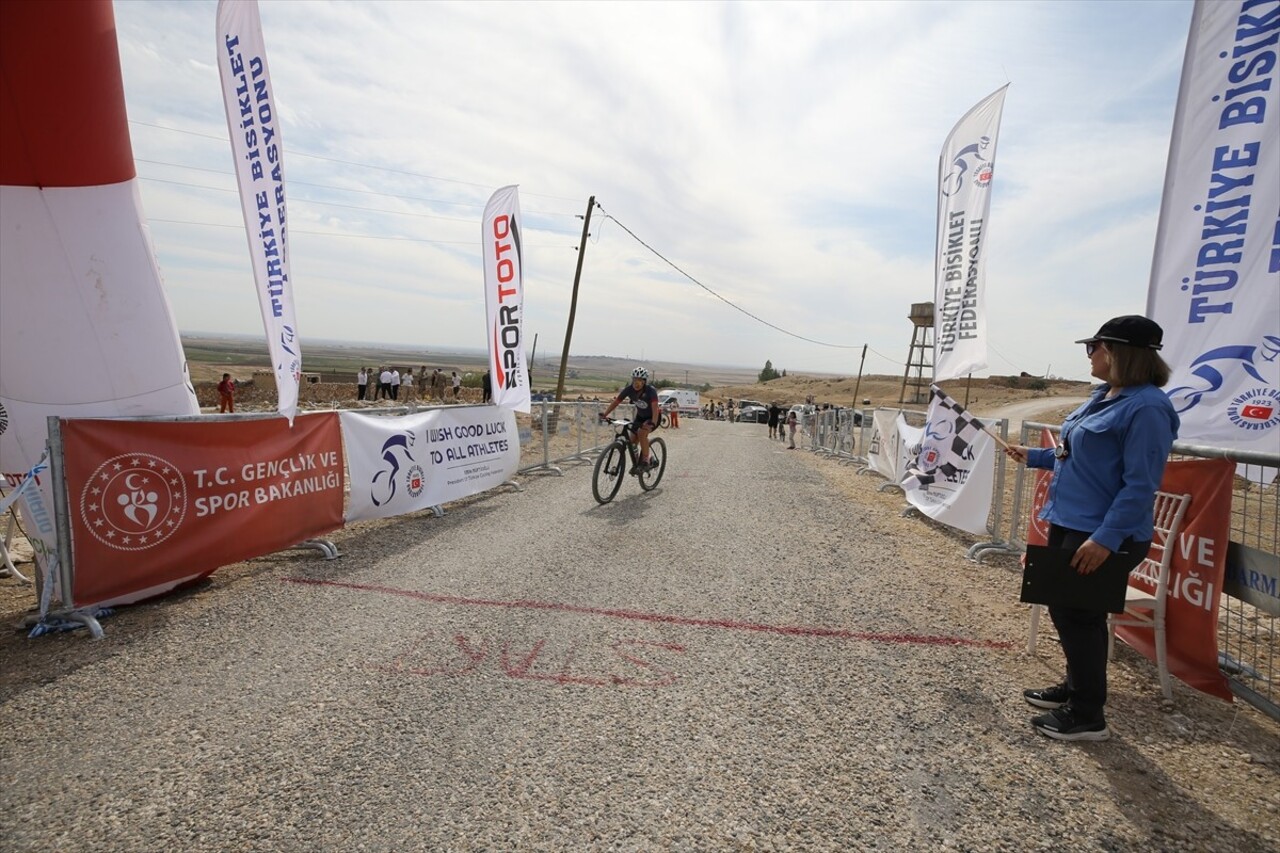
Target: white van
[687,402]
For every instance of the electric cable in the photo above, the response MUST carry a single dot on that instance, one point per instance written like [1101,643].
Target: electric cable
[731,304]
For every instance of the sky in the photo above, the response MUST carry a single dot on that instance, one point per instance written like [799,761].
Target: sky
[777,157]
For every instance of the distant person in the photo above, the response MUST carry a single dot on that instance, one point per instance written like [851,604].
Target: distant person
[457,384]
[406,384]
[775,415]
[437,385]
[791,429]
[487,386]
[424,382]
[1107,466]
[362,383]
[384,384]
[227,394]
[395,383]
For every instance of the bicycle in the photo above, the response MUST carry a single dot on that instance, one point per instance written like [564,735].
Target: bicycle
[612,465]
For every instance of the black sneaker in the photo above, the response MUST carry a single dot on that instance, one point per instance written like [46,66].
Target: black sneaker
[654,463]
[1048,698]
[1065,724]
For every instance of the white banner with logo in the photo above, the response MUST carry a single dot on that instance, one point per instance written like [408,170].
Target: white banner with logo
[258,151]
[965,171]
[885,453]
[1215,279]
[404,464]
[950,472]
[504,299]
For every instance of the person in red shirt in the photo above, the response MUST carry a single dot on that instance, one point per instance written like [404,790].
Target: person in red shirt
[226,394]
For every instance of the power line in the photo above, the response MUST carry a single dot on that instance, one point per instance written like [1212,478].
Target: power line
[731,304]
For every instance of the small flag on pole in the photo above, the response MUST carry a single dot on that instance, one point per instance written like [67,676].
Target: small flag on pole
[946,448]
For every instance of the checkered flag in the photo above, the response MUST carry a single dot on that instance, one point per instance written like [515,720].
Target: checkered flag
[946,449]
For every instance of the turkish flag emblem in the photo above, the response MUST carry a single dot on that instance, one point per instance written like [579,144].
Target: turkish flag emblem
[1256,413]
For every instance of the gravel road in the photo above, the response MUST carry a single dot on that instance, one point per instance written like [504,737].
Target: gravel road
[760,654]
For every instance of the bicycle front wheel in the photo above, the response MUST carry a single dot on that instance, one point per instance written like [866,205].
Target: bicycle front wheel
[611,467]
[658,452]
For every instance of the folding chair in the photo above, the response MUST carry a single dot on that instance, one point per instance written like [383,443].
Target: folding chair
[1145,601]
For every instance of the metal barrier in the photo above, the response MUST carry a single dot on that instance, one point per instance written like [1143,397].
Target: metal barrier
[1248,623]
[553,433]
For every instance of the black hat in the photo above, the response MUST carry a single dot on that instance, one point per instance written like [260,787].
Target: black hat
[1131,329]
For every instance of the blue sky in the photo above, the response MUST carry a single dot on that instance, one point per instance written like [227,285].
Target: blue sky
[783,154]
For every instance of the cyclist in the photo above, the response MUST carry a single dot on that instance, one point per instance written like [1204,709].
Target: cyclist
[645,399]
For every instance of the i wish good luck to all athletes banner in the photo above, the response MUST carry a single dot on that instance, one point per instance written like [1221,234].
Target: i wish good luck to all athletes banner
[950,472]
[258,151]
[154,505]
[965,171]
[1215,278]
[1195,574]
[504,299]
[405,464]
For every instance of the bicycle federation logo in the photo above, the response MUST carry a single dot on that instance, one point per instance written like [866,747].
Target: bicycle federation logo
[134,501]
[1254,410]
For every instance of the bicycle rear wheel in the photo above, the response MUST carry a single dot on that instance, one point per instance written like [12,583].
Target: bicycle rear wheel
[657,451]
[611,467]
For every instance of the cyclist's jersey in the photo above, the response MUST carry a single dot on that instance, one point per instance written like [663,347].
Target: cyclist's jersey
[645,400]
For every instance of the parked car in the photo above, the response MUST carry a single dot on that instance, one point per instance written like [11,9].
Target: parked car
[753,414]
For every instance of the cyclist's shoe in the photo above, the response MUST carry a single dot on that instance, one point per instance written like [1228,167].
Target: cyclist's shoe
[637,468]
[654,463]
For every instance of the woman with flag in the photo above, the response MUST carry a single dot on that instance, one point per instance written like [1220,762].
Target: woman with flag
[1107,466]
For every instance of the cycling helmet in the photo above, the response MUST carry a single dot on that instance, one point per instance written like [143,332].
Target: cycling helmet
[640,373]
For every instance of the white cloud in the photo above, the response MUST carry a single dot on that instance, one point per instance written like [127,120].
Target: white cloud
[784,154]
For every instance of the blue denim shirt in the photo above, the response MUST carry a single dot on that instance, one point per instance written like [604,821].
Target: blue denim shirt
[1106,486]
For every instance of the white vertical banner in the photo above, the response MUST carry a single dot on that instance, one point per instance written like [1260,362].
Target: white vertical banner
[504,299]
[258,151]
[1215,278]
[884,449]
[965,171]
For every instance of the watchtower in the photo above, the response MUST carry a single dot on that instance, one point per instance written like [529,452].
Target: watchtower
[920,356]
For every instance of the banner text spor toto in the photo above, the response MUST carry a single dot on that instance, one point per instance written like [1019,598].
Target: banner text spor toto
[1215,279]
[153,505]
[503,253]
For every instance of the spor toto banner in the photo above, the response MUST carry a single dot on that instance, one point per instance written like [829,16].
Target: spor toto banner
[965,172]
[1215,278]
[258,151]
[504,299]
[405,464]
[154,505]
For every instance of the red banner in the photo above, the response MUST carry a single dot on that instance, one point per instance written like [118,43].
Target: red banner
[154,505]
[1195,575]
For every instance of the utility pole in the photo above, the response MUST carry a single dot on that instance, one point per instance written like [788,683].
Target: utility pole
[573,300]
[858,384]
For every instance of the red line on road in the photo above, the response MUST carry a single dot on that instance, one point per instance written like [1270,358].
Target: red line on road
[640,616]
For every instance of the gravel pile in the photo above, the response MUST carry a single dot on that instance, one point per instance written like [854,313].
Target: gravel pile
[759,655]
